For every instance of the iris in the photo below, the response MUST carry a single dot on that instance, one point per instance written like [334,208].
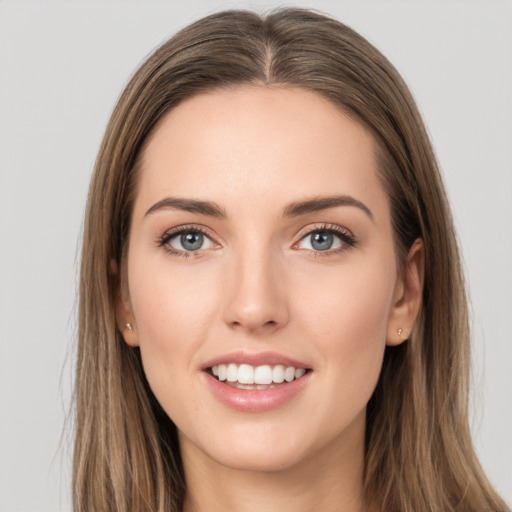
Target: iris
[191,241]
[322,241]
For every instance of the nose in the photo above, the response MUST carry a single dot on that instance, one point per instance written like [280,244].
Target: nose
[256,294]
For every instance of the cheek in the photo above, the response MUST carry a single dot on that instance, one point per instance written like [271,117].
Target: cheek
[174,308]
[348,320]
[352,302]
[170,302]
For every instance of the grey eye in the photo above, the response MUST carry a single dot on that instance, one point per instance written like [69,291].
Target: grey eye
[321,241]
[191,241]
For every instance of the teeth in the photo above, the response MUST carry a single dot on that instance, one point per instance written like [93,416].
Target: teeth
[245,374]
[265,374]
[232,373]
[278,373]
[289,374]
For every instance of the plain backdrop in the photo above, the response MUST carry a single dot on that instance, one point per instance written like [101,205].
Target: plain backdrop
[62,67]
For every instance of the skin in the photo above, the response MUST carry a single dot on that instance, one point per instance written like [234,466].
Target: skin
[258,286]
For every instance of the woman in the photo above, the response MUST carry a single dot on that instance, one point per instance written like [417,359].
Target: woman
[272,310]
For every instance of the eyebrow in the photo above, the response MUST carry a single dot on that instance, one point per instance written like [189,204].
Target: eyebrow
[323,203]
[189,205]
[294,209]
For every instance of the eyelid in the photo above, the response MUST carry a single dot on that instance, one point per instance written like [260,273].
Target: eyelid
[347,238]
[323,226]
[169,234]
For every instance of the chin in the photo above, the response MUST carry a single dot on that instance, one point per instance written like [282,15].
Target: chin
[258,458]
[261,447]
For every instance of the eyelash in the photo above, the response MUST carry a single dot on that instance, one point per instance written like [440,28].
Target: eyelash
[347,239]
[164,240]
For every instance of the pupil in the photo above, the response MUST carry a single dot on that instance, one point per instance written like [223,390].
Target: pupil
[321,241]
[192,241]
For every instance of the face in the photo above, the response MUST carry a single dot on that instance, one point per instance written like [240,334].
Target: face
[262,279]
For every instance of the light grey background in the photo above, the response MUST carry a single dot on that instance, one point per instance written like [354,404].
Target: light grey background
[62,66]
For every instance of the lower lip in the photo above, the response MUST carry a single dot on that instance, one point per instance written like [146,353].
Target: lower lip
[256,400]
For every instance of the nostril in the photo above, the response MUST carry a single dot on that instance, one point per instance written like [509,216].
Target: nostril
[254,300]
[255,326]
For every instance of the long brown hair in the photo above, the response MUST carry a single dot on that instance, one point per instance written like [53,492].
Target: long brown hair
[419,455]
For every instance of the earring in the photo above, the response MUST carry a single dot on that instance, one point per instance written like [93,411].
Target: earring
[129,327]
[399,332]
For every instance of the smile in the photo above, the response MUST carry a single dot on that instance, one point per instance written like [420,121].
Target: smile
[246,376]
[256,383]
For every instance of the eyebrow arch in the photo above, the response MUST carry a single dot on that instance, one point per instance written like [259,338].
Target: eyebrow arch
[189,205]
[323,203]
[295,209]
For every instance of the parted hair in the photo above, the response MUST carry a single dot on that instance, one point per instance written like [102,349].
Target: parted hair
[418,454]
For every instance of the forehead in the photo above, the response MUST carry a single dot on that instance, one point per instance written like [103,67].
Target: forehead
[255,142]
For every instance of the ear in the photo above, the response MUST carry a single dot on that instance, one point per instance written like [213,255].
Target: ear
[125,320]
[407,296]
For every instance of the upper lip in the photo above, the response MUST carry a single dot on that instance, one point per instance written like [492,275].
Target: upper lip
[255,359]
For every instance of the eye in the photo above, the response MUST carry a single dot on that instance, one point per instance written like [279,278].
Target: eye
[328,238]
[185,240]
[321,241]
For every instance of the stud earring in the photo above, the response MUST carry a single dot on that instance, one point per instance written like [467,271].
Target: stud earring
[399,332]
[129,327]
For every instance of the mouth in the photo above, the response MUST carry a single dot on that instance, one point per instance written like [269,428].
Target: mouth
[262,377]
[256,382]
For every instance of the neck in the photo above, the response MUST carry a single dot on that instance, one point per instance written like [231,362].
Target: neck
[329,480]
